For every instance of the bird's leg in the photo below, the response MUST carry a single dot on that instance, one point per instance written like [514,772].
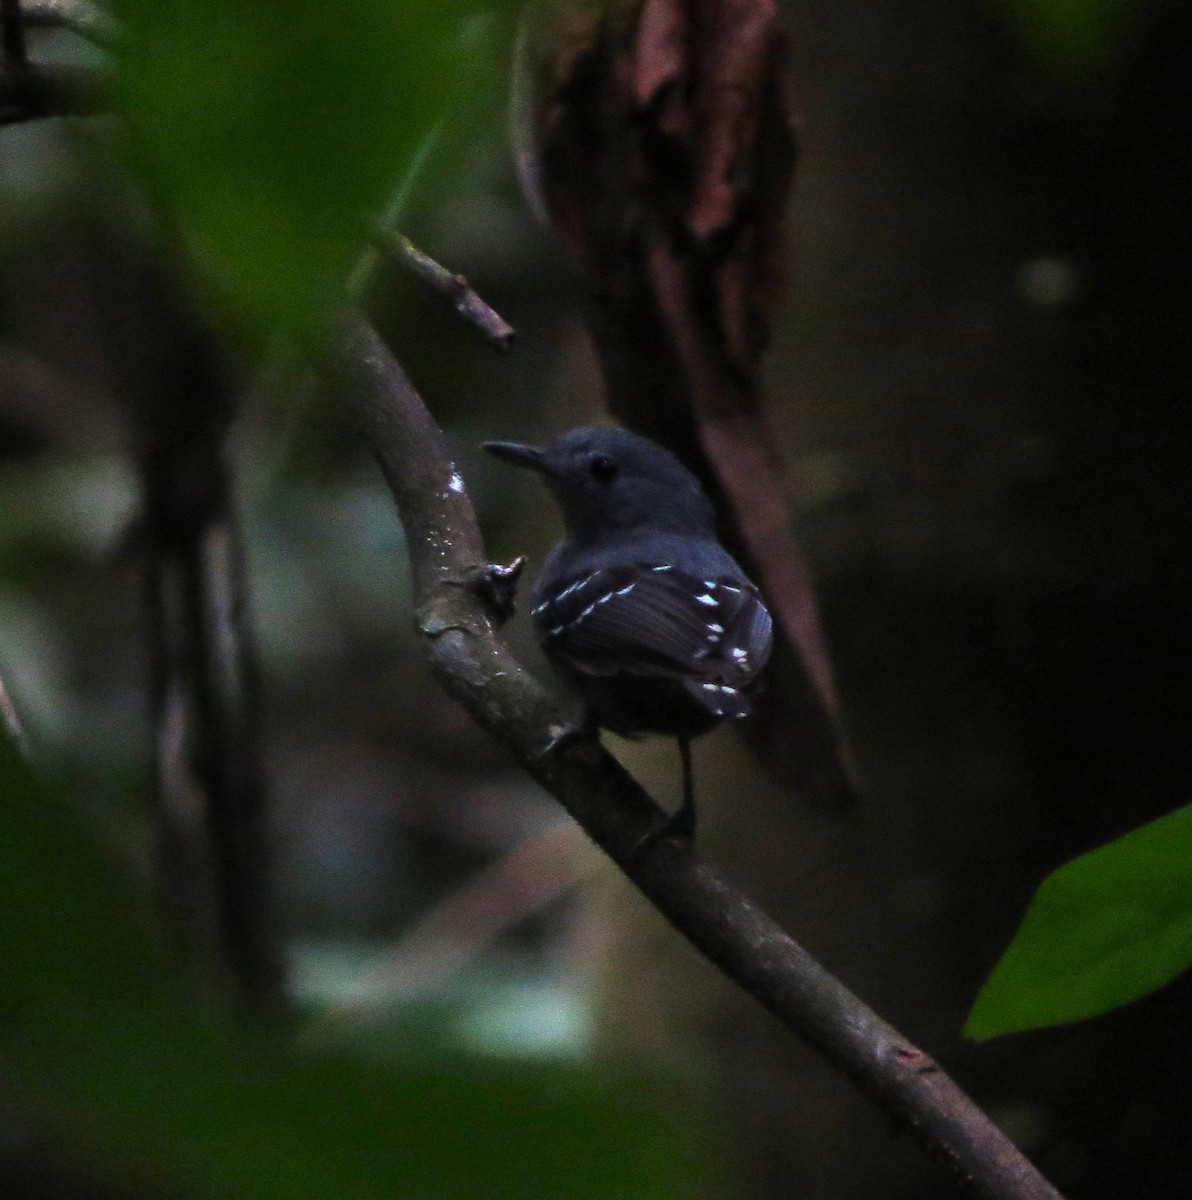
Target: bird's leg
[496,585]
[683,822]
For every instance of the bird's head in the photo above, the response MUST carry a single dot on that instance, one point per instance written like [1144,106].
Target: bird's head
[607,481]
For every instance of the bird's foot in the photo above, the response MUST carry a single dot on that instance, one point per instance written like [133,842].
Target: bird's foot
[679,824]
[496,585]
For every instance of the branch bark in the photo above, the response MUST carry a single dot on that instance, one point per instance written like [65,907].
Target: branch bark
[458,621]
[656,138]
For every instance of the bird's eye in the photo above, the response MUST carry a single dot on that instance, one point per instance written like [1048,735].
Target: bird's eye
[603,468]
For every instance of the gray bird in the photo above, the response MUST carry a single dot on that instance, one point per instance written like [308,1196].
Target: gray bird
[639,608]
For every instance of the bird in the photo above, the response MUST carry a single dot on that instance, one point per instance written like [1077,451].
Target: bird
[639,608]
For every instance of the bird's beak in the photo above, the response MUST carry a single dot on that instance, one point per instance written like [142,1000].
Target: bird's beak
[519,455]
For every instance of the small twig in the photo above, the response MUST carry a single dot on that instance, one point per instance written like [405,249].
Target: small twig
[365,272]
[476,667]
[57,91]
[454,288]
[79,16]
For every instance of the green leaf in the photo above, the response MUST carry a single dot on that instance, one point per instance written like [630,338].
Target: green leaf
[271,129]
[1107,928]
[113,1065]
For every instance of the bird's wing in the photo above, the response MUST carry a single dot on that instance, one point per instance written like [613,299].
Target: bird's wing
[656,620]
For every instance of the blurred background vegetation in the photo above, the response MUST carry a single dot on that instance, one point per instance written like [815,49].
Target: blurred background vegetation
[980,389]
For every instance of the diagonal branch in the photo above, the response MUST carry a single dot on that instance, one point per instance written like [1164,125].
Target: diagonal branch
[458,621]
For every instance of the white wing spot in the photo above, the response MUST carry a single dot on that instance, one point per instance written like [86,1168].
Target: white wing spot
[741,656]
[455,483]
[625,590]
[592,607]
[709,584]
[723,688]
[728,587]
[663,568]
[706,600]
[715,628]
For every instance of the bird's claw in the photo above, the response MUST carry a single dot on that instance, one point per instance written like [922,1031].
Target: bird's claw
[680,824]
[496,584]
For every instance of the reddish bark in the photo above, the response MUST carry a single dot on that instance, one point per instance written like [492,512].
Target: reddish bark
[656,137]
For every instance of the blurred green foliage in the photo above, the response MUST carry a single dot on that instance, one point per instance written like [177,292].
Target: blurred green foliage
[1074,40]
[103,1044]
[272,131]
[266,134]
[1107,928]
